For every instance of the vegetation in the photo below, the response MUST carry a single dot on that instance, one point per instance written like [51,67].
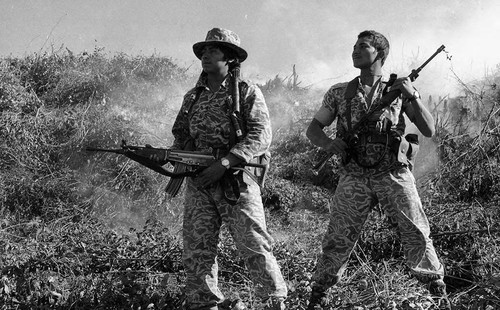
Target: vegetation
[96,231]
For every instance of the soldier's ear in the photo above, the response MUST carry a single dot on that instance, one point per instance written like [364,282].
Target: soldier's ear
[381,56]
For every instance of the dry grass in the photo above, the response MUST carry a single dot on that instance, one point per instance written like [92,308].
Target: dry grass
[80,231]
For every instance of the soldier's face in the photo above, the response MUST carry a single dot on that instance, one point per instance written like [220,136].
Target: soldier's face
[212,60]
[363,54]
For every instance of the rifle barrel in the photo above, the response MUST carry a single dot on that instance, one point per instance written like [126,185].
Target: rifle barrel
[439,50]
[96,149]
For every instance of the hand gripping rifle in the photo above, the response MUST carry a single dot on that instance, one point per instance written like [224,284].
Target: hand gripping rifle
[385,101]
[155,158]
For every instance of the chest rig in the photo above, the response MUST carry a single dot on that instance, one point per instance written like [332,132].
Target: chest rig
[382,132]
[367,131]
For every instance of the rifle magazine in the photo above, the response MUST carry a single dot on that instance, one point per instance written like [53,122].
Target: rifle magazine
[174,184]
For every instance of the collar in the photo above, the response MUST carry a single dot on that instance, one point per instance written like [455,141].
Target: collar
[380,79]
[203,81]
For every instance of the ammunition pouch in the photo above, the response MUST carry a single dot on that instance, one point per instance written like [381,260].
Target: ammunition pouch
[230,184]
[406,149]
[260,174]
[412,148]
[232,181]
[357,148]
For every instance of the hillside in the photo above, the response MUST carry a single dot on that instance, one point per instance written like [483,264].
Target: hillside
[81,230]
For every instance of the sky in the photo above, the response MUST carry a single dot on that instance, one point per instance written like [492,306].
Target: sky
[314,35]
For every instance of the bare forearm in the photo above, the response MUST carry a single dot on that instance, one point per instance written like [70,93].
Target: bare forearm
[316,134]
[423,118]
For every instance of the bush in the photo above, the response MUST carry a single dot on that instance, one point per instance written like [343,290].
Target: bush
[87,230]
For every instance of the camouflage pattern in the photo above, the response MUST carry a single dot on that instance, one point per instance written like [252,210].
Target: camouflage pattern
[205,210]
[204,213]
[224,37]
[368,153]
[354,199]
[208,124]
[360,189]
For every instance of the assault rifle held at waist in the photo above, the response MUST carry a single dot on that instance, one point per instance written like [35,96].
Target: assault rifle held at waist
[156,158]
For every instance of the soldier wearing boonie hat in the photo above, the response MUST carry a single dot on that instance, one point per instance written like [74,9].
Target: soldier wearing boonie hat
[202,124]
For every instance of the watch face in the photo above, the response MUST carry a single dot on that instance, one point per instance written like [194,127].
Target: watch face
[416,94]
[225,162]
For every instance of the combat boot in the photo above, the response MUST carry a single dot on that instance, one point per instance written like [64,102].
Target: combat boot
[316,300]
[437,289]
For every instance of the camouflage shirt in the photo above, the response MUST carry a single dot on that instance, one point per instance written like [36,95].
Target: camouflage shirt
[208,124]
[367,153]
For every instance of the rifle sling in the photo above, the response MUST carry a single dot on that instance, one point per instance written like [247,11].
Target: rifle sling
[349,94]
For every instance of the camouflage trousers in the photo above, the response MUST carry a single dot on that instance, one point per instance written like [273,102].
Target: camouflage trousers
[204,213]
[354,198]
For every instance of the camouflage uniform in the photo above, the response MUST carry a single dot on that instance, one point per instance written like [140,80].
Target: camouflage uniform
[207,123]
[389,183]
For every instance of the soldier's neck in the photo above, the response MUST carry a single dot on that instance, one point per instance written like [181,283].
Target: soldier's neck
[370,75]
[214,80]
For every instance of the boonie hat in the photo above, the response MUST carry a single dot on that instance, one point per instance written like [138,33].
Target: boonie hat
[221,37]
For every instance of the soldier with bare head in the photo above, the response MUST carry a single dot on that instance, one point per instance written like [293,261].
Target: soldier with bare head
[206,122]
[376,168]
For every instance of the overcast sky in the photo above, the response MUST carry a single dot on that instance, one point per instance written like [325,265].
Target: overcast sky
[317,36]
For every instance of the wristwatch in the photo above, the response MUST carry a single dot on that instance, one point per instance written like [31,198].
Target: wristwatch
[225,162]
[414,96]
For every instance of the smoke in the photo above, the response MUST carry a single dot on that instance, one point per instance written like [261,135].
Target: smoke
[318,39]
[316,36]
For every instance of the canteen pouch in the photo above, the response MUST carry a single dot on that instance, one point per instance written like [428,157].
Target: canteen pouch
[406,149]
[411,154]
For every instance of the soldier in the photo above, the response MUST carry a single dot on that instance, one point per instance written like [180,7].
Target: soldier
[204,124]
[372,172]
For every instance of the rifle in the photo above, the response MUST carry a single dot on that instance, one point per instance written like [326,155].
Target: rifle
[193,162]
[385,101]
[235,97]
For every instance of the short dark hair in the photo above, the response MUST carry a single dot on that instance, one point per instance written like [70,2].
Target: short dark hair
[378,41]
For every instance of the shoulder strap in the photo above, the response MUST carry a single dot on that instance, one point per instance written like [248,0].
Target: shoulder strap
[350,93]
[193,100]
[243,91]
[351,89]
